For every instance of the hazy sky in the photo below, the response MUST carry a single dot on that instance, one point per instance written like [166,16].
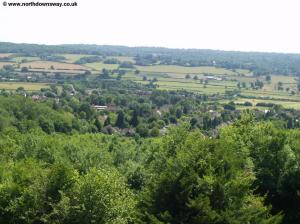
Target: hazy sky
[248,25]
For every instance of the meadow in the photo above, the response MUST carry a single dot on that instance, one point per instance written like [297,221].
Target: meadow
[285,103]
[26,85]
[98,66]
[50,64]
[4,55]
[20,59]
[5,63]
[71,58]
[186,70]
[122,58]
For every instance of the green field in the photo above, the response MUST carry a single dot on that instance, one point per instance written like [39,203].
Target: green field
[284,103]
[26,85]
[177,81]
[99,66]
[29,59]
[185,70]
[123,58]
[71,58]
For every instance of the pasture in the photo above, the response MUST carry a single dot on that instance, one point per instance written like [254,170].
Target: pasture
[98,66]
[284,103]
[5,55]
[26,85]
[269,93]
[122,58]
[19,59]
[186,70]
[50,65]
[71,58]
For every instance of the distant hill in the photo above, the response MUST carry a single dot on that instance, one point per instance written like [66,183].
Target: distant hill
[259,63]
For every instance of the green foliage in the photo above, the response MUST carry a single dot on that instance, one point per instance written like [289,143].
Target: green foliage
[142,130]
[121,120]
[248,173]
[202,182]
[101,197]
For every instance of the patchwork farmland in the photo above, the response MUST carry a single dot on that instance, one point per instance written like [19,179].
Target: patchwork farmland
[202,79]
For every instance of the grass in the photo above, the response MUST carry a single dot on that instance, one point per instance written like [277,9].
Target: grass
[71,58]
[284,103]
[123,58]
[26,85]
[62,71]
[48,64]
[177,81]
[98,66]
[185,70]
[173,82]
[19,59]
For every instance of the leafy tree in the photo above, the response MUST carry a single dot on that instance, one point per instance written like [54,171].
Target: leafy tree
[202,182]
[154,132]
[268,78]
[193,122]
[24,69]
[142,130]
[107,121]
[111,202]
[121,120]
[134,120]
[98,124]
[46,125]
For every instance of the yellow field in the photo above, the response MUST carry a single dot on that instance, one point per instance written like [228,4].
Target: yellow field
[57,65]
[4,55]
[26,85]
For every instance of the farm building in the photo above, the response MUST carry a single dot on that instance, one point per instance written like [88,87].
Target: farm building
[98,107]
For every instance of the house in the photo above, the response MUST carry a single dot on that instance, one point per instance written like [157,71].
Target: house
[213,114]
[209,77]
[159,113]
[98,107]
[142,92]
[38,98]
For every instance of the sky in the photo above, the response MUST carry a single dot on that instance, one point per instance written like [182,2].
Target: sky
[242,25]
